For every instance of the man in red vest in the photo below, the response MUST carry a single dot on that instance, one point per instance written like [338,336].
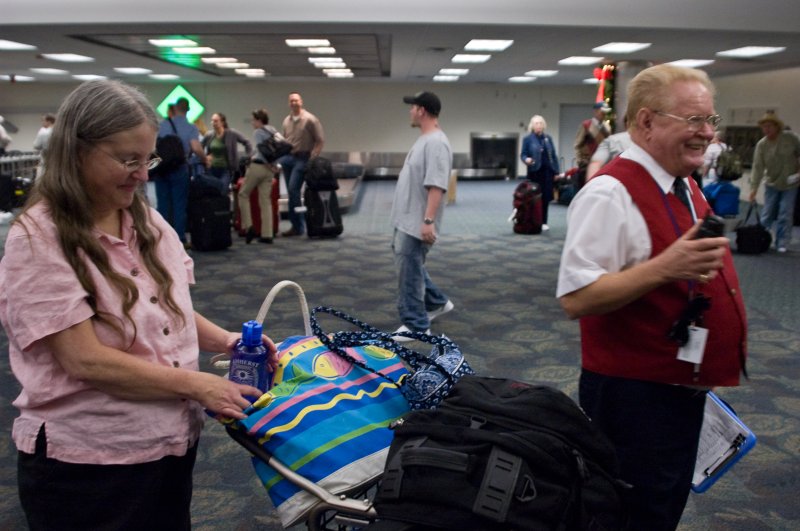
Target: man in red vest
[661,313]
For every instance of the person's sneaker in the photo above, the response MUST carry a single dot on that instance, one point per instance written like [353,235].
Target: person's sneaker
[545,227]
[446,307]
[290,233]
[403,339]
[781,249]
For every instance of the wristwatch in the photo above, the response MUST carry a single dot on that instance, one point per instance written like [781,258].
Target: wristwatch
[427,221]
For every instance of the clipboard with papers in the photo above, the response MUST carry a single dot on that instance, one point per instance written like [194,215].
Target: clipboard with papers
[724,439]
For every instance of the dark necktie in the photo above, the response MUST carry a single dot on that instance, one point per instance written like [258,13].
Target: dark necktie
[679,189]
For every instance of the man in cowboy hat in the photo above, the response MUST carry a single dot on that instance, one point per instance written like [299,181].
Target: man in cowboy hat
[775,161]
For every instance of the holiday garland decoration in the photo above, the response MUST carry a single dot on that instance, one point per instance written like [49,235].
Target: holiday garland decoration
[606,87]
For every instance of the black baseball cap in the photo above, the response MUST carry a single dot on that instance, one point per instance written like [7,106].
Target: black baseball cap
[427,100]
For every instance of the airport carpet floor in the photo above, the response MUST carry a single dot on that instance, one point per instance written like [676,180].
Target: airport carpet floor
[508,323]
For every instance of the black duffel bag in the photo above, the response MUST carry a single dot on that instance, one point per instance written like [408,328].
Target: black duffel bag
[752,239]
[501,455]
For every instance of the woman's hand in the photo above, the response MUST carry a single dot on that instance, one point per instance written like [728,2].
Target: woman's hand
[220,395]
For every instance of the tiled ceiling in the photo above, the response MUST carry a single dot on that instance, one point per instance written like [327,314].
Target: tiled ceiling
[367,55]
[406,41]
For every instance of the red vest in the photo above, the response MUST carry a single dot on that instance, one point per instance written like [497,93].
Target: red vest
[632,342]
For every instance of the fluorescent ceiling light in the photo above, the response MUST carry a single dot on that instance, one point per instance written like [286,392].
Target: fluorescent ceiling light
[233,65]
[487,45]
[168,43]
[454,71]
[522,79]
[52,71]
[314,60]
[691,63]
[68,57]
[470,58]
[332,64]
[133,70]
[541,73]
[11,45]
[591,81]
[445,78]
[215,60]
[341,75]
[751,51]
[322,49]
[88,77]
[164,77]
[6,77]
[580,60]
[621,47]
[249,70]
[336,71]
[256,74]
[194,50]
[307,43]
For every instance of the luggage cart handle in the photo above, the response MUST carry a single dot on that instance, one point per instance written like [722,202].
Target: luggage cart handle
[330,500]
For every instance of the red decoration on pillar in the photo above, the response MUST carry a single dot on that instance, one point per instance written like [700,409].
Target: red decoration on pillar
[602,74]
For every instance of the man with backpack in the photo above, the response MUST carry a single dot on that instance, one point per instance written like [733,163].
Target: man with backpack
[172,182]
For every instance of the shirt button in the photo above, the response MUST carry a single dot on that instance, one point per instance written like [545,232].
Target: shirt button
[733,292]
[176,364]
[154,299]
[166,331]
[134,272]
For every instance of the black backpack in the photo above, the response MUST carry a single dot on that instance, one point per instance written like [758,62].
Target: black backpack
[319,175]
[170,149]
[501,455]
[527,204]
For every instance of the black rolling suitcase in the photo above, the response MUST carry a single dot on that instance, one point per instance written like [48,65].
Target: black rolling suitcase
[323,218]
[210,223]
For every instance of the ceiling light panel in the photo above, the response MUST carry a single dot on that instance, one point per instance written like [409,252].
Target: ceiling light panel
[7,77]
[541,73]
[196,50]
[164,77]
[233,65]
[88,77]
[133,70]
[169,43]
[12,45]
[322,50]
[49,71]
[622,47]
[487,45]
[445,78]
[692,63]
[454,71]
[307,43]
[215,60]
[751,51]
[68,57]
[580,60]
[522,79]
[470,58]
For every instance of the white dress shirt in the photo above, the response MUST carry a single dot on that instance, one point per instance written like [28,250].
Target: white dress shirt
[606,232]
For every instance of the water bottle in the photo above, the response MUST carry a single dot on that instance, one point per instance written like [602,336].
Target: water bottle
[249,360]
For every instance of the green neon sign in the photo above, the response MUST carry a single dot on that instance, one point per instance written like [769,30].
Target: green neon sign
[195,107]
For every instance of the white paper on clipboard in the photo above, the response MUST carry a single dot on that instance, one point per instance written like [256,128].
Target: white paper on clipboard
[723,439]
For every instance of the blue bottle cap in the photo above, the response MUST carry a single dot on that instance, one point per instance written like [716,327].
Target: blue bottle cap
[251,333]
